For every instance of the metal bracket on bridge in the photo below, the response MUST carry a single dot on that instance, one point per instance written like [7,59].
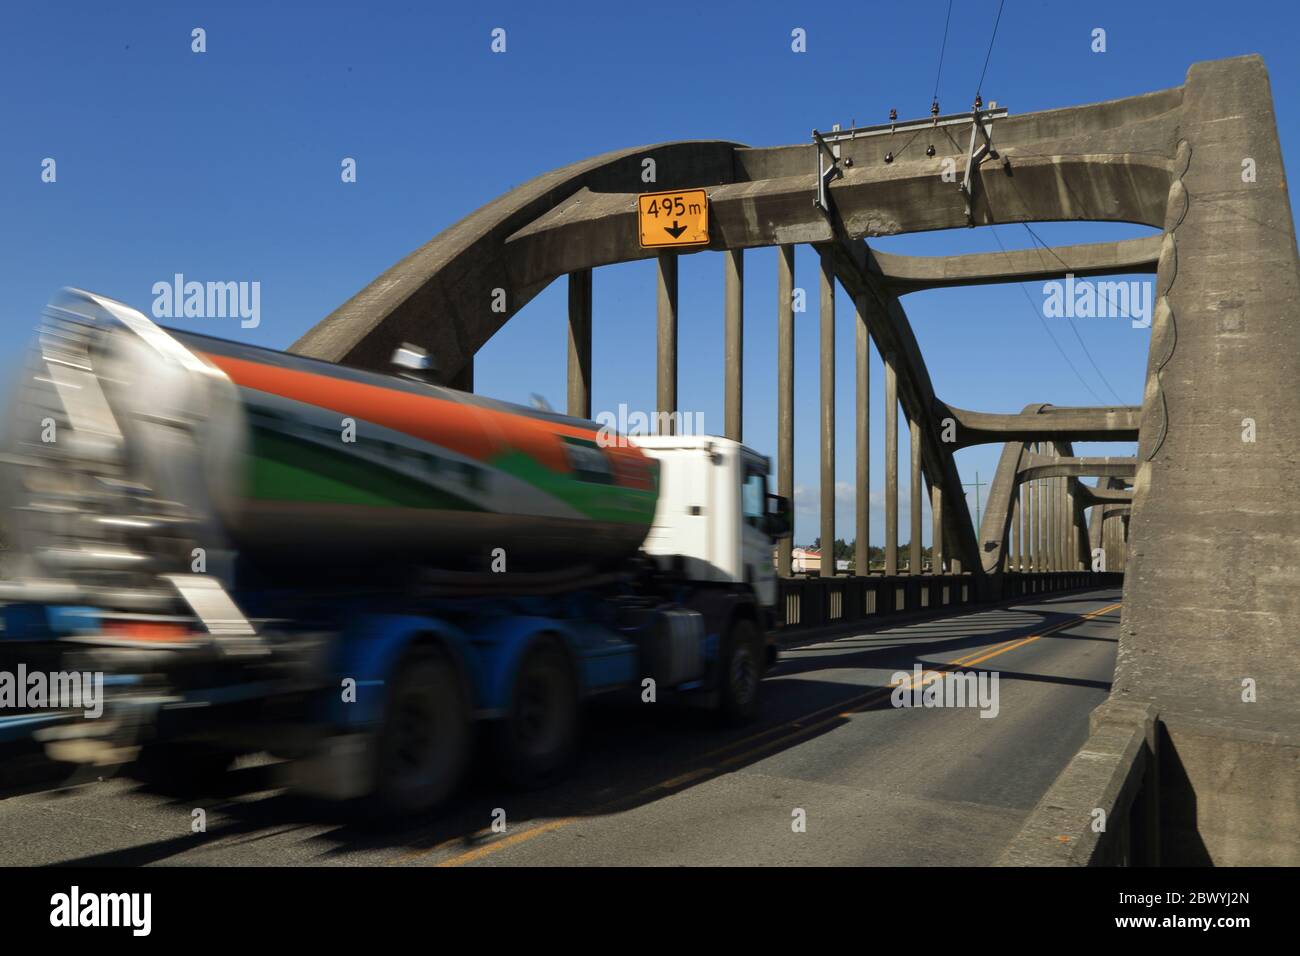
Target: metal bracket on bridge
[828,147]
[981,122]
[826,174]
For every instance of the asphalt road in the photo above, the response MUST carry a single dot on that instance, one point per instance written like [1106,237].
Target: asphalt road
[833,773]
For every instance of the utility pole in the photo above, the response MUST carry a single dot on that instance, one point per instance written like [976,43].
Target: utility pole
[977,485]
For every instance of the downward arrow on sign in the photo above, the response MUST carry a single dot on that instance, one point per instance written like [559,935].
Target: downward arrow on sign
[676,230]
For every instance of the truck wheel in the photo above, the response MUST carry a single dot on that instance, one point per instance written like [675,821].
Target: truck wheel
[741,671]
[537,740]
[424,743]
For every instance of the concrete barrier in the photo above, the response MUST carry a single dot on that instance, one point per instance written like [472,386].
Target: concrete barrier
[1103,809]
[818,602]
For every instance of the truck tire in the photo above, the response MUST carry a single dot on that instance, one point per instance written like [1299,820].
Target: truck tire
[423,746]
[538,738]
[740,672]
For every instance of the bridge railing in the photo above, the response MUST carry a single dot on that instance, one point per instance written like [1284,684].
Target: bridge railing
[807,603]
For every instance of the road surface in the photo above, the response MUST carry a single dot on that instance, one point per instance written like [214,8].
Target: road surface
[833,774]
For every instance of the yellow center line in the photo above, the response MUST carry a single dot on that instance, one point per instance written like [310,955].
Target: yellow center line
[855,701]
[508,841]
[799,729]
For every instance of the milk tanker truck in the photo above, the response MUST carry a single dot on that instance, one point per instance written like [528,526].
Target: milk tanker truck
[364,573]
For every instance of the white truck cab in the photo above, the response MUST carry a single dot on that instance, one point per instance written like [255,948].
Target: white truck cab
[715,520]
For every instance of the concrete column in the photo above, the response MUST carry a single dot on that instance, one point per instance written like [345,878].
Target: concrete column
[734,268]
[891,466]
[1049,512]
[1071,538]
[827,308]
[666,380]
[579,403]
[936,527]
[1123,524]
[1055,485]
[464,379]
[1074,525]
[862,449]
[1027,494]
[1013,560]
[1049,535]
[785,393]
[914,499]
[1044,516]
[1062,527]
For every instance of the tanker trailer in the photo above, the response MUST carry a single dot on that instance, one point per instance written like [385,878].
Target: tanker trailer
[289,555]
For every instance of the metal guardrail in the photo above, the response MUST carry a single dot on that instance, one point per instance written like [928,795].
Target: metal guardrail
[813,602]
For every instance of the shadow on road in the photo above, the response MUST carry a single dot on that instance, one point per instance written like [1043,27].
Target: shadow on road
[632,753]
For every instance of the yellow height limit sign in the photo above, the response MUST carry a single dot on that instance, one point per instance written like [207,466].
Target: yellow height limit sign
[679,218]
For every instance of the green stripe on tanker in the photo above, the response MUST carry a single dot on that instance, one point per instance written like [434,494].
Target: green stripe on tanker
[282,468]
[600,502]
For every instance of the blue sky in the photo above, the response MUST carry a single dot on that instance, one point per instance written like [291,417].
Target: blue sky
[225,166]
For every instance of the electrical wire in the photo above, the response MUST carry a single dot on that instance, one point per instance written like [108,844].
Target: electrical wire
[1070,322]
[942,47]
[980,85]
[1038,312]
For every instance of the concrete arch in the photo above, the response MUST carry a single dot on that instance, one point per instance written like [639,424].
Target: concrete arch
[1223,335]
[1041,466]
[1019,464]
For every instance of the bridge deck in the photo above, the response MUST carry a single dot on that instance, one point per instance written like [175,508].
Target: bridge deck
[879,785]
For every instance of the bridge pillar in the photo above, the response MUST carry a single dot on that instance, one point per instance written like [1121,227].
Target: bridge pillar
[1080,534]
[1123,524]
[1075,563]
[891,465]
[1044,523]
[1063,523]
[1054,526]
[579,399]
[733,375]
[785,395]
[1095,524]
[1012,562]
[666,377]
[914,498]
[1031,526]
[827,315]
[862,448]
[936,527]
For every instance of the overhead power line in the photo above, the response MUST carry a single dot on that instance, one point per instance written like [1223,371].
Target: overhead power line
[980,85]
[1069,321]
[942,47]
[1039,313]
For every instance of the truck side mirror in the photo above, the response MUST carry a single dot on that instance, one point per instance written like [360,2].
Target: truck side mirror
[777,522]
